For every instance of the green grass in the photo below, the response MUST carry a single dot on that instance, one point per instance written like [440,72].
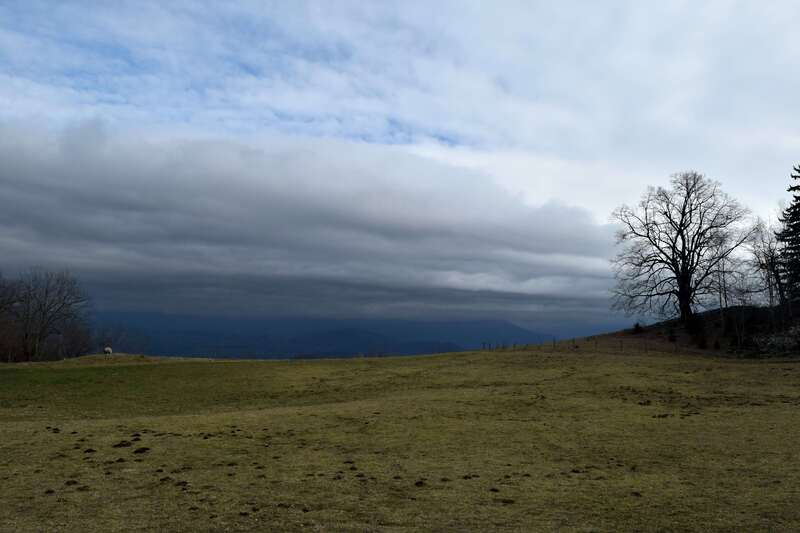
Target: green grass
[521,440]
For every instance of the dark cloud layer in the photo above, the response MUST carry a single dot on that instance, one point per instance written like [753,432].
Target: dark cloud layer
[289,226]
[332,158]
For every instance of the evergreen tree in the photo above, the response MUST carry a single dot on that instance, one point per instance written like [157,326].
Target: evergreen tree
[789,237]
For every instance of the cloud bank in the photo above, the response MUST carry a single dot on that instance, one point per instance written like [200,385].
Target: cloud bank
[289,226]
[352,158]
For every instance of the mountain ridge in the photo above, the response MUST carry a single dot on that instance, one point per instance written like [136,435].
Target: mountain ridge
[224,336]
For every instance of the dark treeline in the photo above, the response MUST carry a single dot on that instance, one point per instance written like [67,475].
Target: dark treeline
[690,247]
[43,315]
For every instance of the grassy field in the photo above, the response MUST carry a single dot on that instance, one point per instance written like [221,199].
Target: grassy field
[544,439]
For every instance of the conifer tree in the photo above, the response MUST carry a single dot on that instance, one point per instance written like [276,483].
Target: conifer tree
[789,237]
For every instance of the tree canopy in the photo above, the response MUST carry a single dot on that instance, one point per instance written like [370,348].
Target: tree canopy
[676,243]
[789,237]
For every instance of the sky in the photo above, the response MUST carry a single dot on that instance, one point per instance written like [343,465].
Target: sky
[383,159]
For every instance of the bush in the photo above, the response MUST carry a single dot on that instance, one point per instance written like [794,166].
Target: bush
[787,341]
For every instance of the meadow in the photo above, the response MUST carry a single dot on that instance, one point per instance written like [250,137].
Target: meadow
[549,438]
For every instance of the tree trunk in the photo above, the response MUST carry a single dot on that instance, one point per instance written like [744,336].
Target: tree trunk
[684,301]
[686,311]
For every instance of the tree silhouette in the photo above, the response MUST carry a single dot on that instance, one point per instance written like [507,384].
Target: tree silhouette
[50,303]
[676,241]
[789,237]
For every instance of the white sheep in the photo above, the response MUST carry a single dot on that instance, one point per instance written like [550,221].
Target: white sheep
[107,350]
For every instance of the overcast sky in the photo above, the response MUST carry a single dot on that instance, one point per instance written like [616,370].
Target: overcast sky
[409,159]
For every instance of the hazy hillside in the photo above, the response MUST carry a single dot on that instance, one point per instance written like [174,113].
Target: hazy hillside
[221,336]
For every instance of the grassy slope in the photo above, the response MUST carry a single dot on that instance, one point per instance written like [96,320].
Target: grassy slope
[538,440]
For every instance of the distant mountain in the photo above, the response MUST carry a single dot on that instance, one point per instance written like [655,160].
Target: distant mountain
[344,342]
[224,336]
[470,334]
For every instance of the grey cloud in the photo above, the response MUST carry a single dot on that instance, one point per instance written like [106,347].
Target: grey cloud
[613,92]
[289,225]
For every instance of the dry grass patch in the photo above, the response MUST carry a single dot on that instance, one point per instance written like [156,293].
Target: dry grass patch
[527,440]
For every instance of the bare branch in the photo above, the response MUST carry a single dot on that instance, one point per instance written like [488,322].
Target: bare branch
[676,241]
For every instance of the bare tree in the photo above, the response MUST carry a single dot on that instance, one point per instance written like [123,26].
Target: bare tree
[766,259]
[74,338]
[744,291]
[49,304]
[675,241]
[9,338]
[9,294]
